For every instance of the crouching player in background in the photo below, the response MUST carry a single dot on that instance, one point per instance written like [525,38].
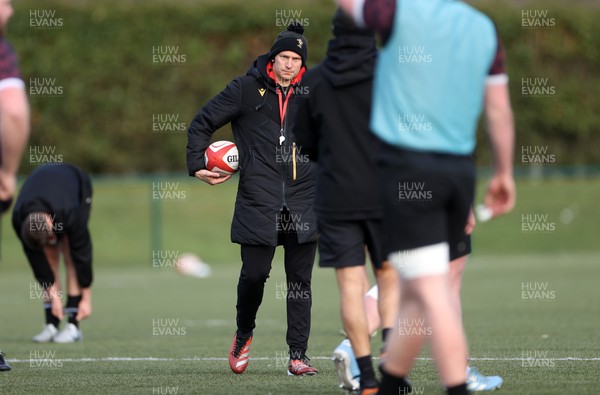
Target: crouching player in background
[51,218]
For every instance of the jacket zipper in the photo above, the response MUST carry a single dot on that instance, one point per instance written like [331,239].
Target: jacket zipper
[283,173]
[282,138]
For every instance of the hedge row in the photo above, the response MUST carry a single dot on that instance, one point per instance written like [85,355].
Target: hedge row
[114,84]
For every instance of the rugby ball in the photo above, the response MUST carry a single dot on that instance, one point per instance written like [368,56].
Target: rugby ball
[222,157]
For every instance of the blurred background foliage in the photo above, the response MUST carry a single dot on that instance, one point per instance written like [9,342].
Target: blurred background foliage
[113,90]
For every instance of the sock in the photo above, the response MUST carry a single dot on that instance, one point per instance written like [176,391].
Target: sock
[393,384]
[244,335]
[50,318]
[384,333]
[367,375]
[72,308]
[297,354]
[460,389]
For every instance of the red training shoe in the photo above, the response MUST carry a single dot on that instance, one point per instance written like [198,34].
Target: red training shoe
[301,367]
[239,354]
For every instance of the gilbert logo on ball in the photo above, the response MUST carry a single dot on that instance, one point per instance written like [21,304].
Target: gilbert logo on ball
[221,157]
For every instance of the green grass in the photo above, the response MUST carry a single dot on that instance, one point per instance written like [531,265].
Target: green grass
[129,295]
[199,219]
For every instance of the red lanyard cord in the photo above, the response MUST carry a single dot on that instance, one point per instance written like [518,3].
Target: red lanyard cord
[283,106]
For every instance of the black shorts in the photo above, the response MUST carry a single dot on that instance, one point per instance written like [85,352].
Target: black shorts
[342,243]
[427,198]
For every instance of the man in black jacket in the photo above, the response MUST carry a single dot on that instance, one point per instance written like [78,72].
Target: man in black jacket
[50,218]
[333,127]
[274,204]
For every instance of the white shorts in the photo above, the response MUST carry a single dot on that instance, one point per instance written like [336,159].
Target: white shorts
[432,260]
[373,292]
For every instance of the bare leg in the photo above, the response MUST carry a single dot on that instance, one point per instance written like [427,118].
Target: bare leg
[351,284]
[374,307]
[389,294]
[372,310]
[394,363]
[457,268]
[428,298]
[366,283]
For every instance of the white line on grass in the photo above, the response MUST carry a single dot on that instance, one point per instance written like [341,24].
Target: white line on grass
[153,359]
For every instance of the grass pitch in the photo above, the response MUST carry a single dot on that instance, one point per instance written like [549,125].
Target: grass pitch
[530,304]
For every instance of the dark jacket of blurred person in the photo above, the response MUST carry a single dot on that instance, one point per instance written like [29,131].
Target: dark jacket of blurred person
[333,126]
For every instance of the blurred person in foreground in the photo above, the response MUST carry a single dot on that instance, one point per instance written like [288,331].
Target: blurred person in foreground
[347,366]
[332,126]
[14,121]
[446,88]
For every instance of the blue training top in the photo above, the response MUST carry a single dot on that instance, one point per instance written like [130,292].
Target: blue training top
[431,75]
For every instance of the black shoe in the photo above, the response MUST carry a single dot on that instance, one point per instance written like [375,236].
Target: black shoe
[4,366]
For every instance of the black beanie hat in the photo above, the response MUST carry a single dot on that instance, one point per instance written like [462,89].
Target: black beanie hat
[343,25]
[291,39]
